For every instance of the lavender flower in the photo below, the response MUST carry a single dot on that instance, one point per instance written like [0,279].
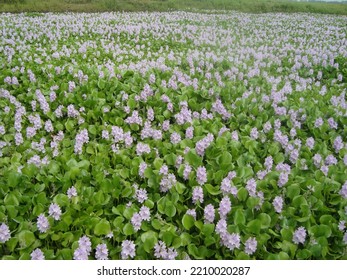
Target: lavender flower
[175,138]
[209,213]
[224,207]
[101,252]
[342,225]
[160,250]
[5,234]
[186,172]
[71,192]
[37,254]
[251,187]
[54,211]
[201,176]
[343,191]
[198,195]
[145,213]
[85,244]
[141,195]
[251,245]
[136,221]
[128,249]
[299,235]
[42,223]
[80,254]
[278,204]
[192,213]
[221,227]
[142,169]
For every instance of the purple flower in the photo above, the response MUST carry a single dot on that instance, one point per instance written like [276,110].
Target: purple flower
[171,254]
[198,195]
[37,254]
[254,133]
[224,207]
[141,195]
[251,187]
[278,204]
[343,191]
[201,176]
[283,179]
[192,213]
[101,252]
[186,172]
[299,235]
[268,163]
[231,241]
[142,169]
[221,227]
[136,221]
[71,192]
[310,142]
[164,170]
[5,234]
[209,213]
[160,250]
[251,245]
[226,186]
[342,225]
[80,254]
[128,249]
[54,211]
[42,223]
[345,238]
[85,244]
[145,213]
[167,182]
[175,138]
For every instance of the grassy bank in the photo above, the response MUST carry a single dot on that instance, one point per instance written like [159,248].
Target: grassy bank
[253,6]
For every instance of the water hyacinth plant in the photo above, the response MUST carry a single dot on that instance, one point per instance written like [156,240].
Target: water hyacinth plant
[173,136]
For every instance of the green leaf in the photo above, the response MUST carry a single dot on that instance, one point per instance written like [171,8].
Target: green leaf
[187,221]
[102,228]
[265,220]
[242,194]
[11,199]
[128,229]
[207,229]
[26,238]
[149,239]
[321,230]
[239,218]
[225,159]
[170,209]
[193,159]
[212,190]
[254,226]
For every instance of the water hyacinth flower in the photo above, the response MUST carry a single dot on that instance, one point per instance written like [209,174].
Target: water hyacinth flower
[299,235]
[85,244]
[136,221]
[71,192]
[128,249]
[101,252]
[224,207]
[37,254]
[251,246]
[145,213]
[80,254]
[201,175]
[5,234]
[278,204]
[209,213]
[42,223]
[192,213]
[54,211]
[198,195]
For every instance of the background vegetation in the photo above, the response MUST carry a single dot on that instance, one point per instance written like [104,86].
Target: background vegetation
[253,6]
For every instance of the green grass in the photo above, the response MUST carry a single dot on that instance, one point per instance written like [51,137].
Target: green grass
[253,6]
